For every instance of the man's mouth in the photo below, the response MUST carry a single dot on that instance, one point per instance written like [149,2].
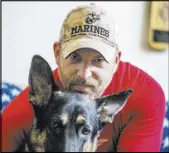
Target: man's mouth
[86,89]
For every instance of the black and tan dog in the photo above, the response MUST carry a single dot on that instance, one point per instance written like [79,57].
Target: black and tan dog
[65,121]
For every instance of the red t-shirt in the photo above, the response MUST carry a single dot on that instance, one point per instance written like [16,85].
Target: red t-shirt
[137,127]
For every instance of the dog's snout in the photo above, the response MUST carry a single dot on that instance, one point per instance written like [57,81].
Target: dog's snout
[72,146]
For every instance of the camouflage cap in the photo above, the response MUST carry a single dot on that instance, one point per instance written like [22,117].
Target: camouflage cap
[89,26]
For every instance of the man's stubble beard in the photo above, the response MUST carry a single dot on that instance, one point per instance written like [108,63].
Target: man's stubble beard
[68,86]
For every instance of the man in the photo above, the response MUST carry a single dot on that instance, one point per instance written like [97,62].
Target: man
[89,62]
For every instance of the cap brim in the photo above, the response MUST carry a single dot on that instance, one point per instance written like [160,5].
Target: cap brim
[103,48]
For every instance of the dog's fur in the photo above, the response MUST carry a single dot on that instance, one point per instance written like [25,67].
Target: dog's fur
[65,121]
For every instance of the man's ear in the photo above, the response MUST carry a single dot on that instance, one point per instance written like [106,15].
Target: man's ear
[118,57]
[56,49]
[109,106]
[41,81]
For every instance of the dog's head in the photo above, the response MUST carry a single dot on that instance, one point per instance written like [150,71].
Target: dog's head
[66,121]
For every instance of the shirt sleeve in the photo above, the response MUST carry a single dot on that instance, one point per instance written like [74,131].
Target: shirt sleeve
[145,128]
[17,118]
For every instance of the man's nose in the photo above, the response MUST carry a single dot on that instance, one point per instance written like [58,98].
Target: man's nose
[84,72]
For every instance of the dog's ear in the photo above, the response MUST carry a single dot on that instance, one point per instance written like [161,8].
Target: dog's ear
[41,81]
[109,106]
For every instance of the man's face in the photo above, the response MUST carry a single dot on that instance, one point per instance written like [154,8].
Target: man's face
[86,71]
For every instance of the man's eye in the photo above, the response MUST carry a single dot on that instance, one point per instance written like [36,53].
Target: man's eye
[74,56]
[99,60]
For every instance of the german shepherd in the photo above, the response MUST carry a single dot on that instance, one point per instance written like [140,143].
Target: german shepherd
[65,121]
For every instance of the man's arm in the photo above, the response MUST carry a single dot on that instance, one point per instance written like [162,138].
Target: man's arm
[144,131]
[16,118]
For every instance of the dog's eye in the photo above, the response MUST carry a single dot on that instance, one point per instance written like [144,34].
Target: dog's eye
[86,131]
[54,124]
[57,126]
